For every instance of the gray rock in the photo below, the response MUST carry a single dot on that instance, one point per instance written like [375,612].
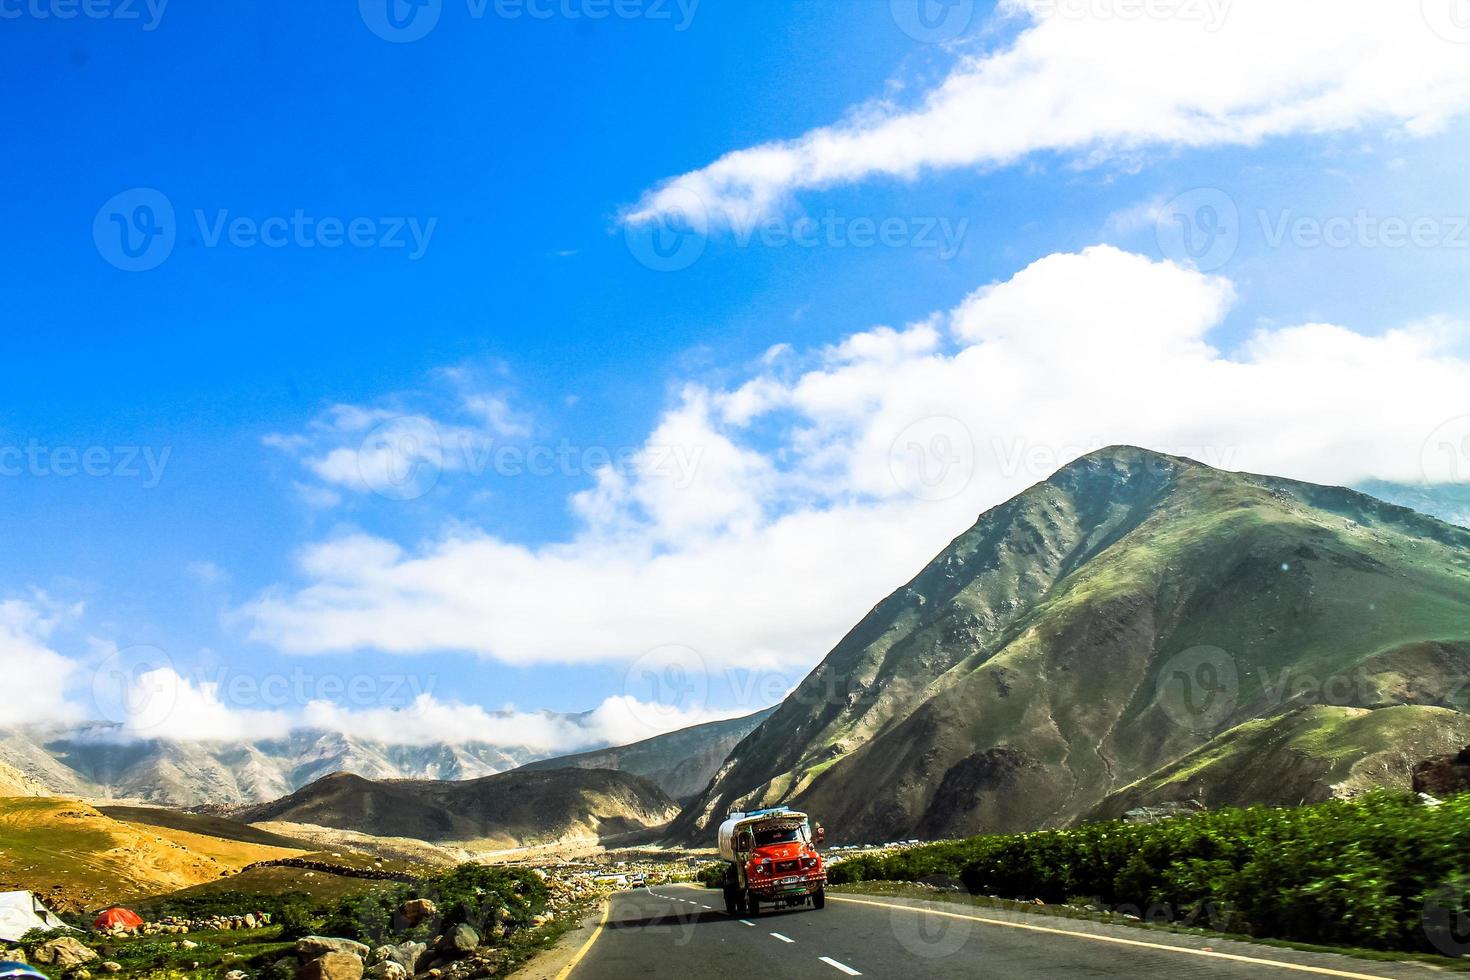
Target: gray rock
[407,955]
[63,952]
[310,947]
[461,940]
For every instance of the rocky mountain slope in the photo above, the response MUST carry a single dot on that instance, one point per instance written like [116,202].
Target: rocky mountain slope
[13,782]
[680,763]
[1098,628]
[506,810]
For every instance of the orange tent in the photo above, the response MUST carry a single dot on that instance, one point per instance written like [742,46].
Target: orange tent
[114,917]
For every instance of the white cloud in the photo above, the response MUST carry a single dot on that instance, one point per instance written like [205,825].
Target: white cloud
[816,493]
[36,677]
[167,705]
[1087,79]
[402,446]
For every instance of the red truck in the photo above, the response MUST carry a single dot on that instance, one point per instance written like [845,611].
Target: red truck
[771,857]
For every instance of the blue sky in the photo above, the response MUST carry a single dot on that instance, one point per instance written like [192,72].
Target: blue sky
[528,153]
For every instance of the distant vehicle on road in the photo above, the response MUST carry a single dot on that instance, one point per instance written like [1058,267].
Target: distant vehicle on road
[771,858]
[638,881]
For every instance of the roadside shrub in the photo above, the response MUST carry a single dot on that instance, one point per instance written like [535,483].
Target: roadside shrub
[1358,872]
[711,875]
[490,900]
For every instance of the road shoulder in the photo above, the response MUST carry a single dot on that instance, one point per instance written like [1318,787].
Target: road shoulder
[555,962]
[1188,944]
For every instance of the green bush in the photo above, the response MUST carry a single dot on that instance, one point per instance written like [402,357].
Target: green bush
[203,905]
[711,875]
[1358,872]
[487,899]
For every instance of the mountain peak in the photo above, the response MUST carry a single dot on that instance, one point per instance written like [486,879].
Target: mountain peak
[1132,458]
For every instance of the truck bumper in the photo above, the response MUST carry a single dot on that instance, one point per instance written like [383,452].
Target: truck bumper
[788,886]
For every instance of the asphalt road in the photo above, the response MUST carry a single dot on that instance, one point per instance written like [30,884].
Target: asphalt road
[681,932]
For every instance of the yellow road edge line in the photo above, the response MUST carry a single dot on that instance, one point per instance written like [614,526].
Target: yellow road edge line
[566,971]
[1301,967]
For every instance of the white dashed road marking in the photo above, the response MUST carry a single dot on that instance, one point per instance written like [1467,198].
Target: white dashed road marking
[745,923]
[784,939]
[839,966]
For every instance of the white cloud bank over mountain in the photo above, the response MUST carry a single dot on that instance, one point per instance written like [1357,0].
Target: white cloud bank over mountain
[36,677]
[826,479]
[1102,80]
[142,697]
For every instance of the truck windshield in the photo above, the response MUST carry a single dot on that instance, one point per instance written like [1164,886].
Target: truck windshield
[766,836]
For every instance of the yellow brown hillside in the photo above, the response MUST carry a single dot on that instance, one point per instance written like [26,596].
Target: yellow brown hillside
[76,857]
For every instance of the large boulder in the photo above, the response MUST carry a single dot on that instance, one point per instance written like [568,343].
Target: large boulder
[386,970]
[407,955]
[310,947]
[64,952]
[417,910]
[1444,775]
[332,966]
[462,940]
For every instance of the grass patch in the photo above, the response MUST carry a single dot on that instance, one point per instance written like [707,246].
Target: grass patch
[1356,874]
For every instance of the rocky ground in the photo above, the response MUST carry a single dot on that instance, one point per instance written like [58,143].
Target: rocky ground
[248,946]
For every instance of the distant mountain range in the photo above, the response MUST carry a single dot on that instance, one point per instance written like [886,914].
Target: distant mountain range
[1448,502]
[90,762]
[680,763]
[1137,629]
[507,810]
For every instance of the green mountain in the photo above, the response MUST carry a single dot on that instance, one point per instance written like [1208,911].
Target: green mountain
[680,763]
[1098,628]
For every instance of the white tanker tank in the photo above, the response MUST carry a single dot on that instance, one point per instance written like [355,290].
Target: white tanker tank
[737,822]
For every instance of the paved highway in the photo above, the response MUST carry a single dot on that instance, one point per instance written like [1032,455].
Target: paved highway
[681,932]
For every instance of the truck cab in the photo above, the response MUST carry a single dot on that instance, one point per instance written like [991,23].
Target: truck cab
[771,858]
